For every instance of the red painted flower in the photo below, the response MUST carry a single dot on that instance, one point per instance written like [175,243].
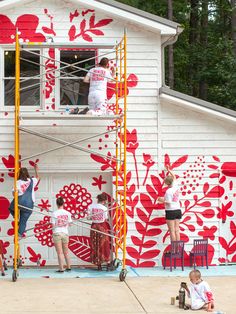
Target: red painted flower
[76,199]
[208,232]
[225,211]
[131,141]
[43,231]
[10,231]
[9,163]
[44,205]
[98,182]
[26,25]
[148,162]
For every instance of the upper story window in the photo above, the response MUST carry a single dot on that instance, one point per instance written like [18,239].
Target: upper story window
[74,66]
[29,78]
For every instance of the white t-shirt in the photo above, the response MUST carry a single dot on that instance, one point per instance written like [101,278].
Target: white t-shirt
[61,219]
[172,197]
[98,78]
[200,294]
[97,213]
[23,185]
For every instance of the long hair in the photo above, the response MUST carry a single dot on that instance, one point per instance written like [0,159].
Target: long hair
[104,62]
[23,174]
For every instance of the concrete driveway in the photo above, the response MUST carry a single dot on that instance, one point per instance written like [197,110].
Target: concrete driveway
[105,295]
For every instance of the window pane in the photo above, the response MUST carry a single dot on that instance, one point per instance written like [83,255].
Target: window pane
[28,97]
[76,56]
[29,64]
[74,92]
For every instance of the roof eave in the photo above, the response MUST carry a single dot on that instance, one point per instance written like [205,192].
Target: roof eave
[198,104]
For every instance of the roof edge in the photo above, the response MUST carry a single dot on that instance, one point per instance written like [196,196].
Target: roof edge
[141,13]
[198,102]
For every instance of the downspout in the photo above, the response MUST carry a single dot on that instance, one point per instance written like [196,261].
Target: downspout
[170,41]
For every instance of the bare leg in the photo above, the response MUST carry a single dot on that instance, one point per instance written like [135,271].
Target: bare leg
[177,234]
[58,247]
[171,227]
[66,254]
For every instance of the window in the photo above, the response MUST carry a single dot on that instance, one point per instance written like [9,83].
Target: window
[29,77]
[72,89]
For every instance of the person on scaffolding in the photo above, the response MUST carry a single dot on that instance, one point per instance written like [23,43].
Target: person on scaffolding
[26,197]
[99,234]
[98,78]
[61,220]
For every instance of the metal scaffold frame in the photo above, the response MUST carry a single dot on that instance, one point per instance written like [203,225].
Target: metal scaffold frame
[119,234]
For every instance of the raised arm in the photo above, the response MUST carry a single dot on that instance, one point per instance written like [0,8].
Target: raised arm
[170,172]
[36,168]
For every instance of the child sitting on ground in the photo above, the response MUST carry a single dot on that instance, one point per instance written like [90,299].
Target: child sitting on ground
[199,292]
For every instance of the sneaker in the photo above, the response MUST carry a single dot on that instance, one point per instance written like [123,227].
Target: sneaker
[68,269]
[3,274]
[59,271]
[74,111]
[84,111]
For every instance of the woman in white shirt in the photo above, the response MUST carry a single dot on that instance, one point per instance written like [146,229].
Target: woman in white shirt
[172,205]
[61,220]
[26,197]
[100,242]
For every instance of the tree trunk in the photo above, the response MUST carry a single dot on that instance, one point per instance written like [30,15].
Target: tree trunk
[203,42]
[193,41]
[233,24]
[170,50]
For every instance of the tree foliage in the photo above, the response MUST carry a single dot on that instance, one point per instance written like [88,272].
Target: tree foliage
[205,53]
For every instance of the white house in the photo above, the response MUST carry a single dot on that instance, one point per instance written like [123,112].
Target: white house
[163,127]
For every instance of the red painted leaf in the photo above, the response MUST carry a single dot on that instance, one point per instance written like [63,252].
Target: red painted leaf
[131,189]
[214,175]
[199,220]
[205,204]
[153,232]
[142,215]
[232,249]
[140,228]
[223,243]
[48,30]
[147,202]
[167,160]
[179,162]
[150,254]
[72,32]
[213,167]
[132,252]
[80,246]
[91,21]
[158,221]
[130,263]
[233,228]
[216,191]
[231,185]
[98,159]
[103,22]
[82,26]
[222,179]
[186,203]
[87,37]
[149,244]
[157,184]
[151,192]
[96,32]
[206,187]
[147,264]
[216,158]
[208,213]
[136,241]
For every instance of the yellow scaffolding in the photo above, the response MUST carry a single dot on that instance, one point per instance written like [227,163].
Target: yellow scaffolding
[120,194]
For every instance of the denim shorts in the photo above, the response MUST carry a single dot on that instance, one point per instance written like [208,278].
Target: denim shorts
[63,237]
[173,214]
